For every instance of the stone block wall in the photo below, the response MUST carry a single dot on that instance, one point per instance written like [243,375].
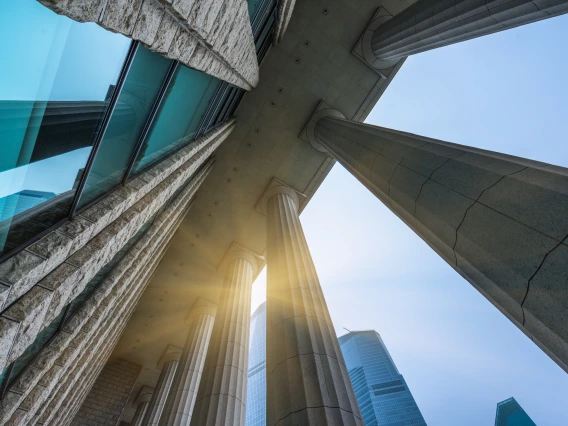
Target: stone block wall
[41,280]
[108,396]
[69,365]
[59,378]
[213,36]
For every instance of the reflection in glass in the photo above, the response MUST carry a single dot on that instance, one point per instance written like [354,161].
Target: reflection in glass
[253,6]
[179,116]
[55,81]
[143,81]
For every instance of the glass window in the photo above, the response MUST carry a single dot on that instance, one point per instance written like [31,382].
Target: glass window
[253,6]
[141,87]
[55,80]
[179,116]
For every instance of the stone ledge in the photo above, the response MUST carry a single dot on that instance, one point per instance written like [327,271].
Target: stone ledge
[59,358]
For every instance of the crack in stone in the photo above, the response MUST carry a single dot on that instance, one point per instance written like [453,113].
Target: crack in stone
[476,201]
[303,354]
[565,239]
[429,178]
[313,408]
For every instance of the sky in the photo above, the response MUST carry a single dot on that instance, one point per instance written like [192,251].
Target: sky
[506,92]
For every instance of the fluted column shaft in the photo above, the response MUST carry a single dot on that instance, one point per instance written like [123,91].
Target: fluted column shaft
[428,24]
[498,220]
[221,399]
[183,392]
[161,391]
[141,411]
[307,381]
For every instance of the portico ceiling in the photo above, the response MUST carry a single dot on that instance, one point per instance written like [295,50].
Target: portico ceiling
[312,63]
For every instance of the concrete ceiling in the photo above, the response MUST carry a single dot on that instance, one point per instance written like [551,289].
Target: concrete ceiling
[312,63]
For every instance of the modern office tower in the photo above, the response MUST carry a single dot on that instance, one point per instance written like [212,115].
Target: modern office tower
[383,396]
[183,139]
[510,413]
[256,387]
[14,204]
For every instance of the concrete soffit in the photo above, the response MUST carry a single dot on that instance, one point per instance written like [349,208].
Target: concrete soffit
[362,49]
[308,132]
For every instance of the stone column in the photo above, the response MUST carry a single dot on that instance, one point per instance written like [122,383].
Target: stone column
[307,381]
[183,392]
[221,399]
[142,402]
[168,364]
[500,221]
[428,24]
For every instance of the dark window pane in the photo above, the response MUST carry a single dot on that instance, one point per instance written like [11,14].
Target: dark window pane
[55,80]
[180,114]
[141,87]
[253,6]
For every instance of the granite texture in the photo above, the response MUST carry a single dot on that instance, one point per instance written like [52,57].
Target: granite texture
[220,27]
[499,220]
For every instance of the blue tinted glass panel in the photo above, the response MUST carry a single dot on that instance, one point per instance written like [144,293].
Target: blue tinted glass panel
[55,79]
[179,116]
[143,81]
[253,6]
[380,389]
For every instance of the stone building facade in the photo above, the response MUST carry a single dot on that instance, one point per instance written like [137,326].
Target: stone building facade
[142,292]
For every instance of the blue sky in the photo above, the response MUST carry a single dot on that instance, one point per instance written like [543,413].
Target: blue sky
[507,92]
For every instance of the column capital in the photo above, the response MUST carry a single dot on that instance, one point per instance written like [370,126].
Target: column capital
[172,353]
[201,306]
[363,49]
[276,186]
[308,132]
[145,395]
[237,251]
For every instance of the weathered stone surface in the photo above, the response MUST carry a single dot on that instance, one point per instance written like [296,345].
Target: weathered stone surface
[54,247]
[546,305]
[121,15]
[304,363]
[166,34]
[149,22]
[493,217]
[8,331]
[169,364]
[70,278]
[21,272]
[180,402]
[61,282]
[109,394]
[429,24]
[157,23]
[29,312]
[225,371]
[79,230]
[59,373]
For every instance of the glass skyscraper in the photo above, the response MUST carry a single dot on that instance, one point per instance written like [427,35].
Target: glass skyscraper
[382,393]
[510,413]
[256,390]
